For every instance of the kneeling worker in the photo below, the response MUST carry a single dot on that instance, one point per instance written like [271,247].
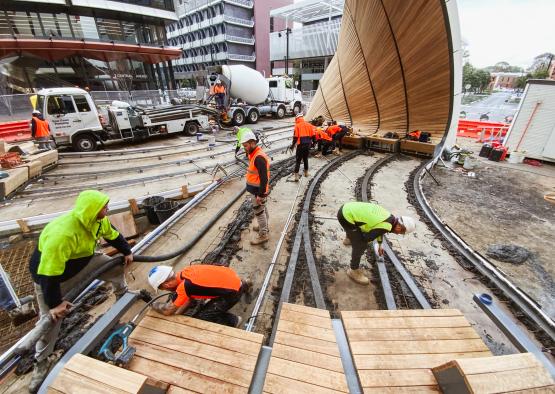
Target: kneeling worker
[364,222]
[221,285]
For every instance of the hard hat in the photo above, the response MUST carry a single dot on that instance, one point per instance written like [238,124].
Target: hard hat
[159,275]
[409,223]
[36,111]
[247,136]
[218,81]
[299,115]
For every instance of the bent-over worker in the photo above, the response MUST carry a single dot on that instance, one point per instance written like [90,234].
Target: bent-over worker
[365,222]
[258,184]
[325,143]
[220,285]
[64,257]
[302,139]
[40,130]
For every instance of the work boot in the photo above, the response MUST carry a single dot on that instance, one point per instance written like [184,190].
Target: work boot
[260,240]
[40,371]
[318,155]
[358,276]
[336,152]
[346,241]
[256,228]
[296,177]
[306,173]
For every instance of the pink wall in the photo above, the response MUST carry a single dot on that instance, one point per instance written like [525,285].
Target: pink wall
[262,31]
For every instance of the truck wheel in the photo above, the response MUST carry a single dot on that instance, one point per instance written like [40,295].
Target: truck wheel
[191,128]
[297,109]
[84,143]
[280,113]
[238,118]
[253,116]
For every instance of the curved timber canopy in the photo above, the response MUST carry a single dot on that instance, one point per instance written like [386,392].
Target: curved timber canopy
[393,69]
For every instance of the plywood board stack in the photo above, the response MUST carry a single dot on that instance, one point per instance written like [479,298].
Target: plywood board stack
[84,374]
[395,350]
[47,158]
[305,357]
[502,374]
[184,353]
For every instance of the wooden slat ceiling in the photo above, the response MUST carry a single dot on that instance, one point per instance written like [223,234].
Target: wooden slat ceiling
[392,69]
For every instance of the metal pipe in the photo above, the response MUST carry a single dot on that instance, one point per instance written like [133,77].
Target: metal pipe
[262,293]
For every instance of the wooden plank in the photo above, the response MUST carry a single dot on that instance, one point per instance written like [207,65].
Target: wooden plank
[188,347]
[308,374]
[176,376]
[418,347]
[409,361]
[405,322]
[324,361]
[311,320]
[519,379]
[23,226]
[498,363]
[281,385]
[402,313]
[70,382]
[411,334]
[133,206]
[407,377]
[306,309]
[315,345]
[211,327]
[124,222]
[401,390]
[116,377]
[536,390]
[179,390]
[202,336]
[50,390]
[326,334]
[194,364]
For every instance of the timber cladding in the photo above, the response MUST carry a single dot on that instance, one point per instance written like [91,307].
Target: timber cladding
[392,69]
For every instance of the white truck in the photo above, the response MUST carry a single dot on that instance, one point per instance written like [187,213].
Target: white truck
[250,95]
[76,120]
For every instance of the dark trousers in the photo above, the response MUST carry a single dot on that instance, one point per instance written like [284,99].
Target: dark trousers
[339,138]
[216,310]
[220,100]
[355,235]
[325,146]
[302,154]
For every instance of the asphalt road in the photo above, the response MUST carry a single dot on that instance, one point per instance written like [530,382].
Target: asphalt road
[494,104]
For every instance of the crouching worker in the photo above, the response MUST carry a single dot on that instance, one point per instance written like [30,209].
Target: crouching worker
[65,256]
[365,222]
[325,143]
[221,286]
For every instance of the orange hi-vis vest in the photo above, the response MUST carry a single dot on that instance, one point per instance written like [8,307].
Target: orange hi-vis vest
[303,131]
[253,177]
[333,129]
[219,89]
[322,135]
[41,128]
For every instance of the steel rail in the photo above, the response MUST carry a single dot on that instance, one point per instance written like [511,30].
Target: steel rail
[522,301]
[384,278]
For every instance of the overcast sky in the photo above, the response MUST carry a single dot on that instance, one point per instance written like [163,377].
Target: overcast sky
[511,30]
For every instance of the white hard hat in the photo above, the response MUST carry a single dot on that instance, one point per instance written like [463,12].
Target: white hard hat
[159,275]
[409,223]
[218,81]
[299,115]
[36,111]
[247,136]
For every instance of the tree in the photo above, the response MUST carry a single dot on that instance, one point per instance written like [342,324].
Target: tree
[478,79]
[541,62]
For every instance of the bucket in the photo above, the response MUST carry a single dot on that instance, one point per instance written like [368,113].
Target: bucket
[470,163]
[149,203]
[165,209]
[516,157]
[485,151]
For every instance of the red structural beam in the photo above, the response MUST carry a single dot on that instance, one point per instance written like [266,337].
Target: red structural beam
[56,49]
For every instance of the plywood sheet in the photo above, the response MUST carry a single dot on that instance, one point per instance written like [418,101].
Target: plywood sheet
[124,222]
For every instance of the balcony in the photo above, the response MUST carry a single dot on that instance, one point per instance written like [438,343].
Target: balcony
[199,5]
[241,3]
[241,58]
[239,21]
[205,41]
[239,40]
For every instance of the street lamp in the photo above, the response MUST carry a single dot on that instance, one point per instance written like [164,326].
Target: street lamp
[287,32]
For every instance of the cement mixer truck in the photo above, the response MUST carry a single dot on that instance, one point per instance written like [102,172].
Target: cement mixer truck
[250,95]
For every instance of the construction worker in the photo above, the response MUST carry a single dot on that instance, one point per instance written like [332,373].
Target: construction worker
[40,130]
[220,285]
[258,184]
[219,93]
[302,139]
[365,222]
[325,143]
[64,257]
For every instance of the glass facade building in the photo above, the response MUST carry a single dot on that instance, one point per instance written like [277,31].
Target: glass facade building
[132,28]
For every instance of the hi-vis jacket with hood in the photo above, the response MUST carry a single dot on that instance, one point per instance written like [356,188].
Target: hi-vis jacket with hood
[68,243]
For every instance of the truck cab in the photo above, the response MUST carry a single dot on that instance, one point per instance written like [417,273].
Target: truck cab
[282,90]
[72,116]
